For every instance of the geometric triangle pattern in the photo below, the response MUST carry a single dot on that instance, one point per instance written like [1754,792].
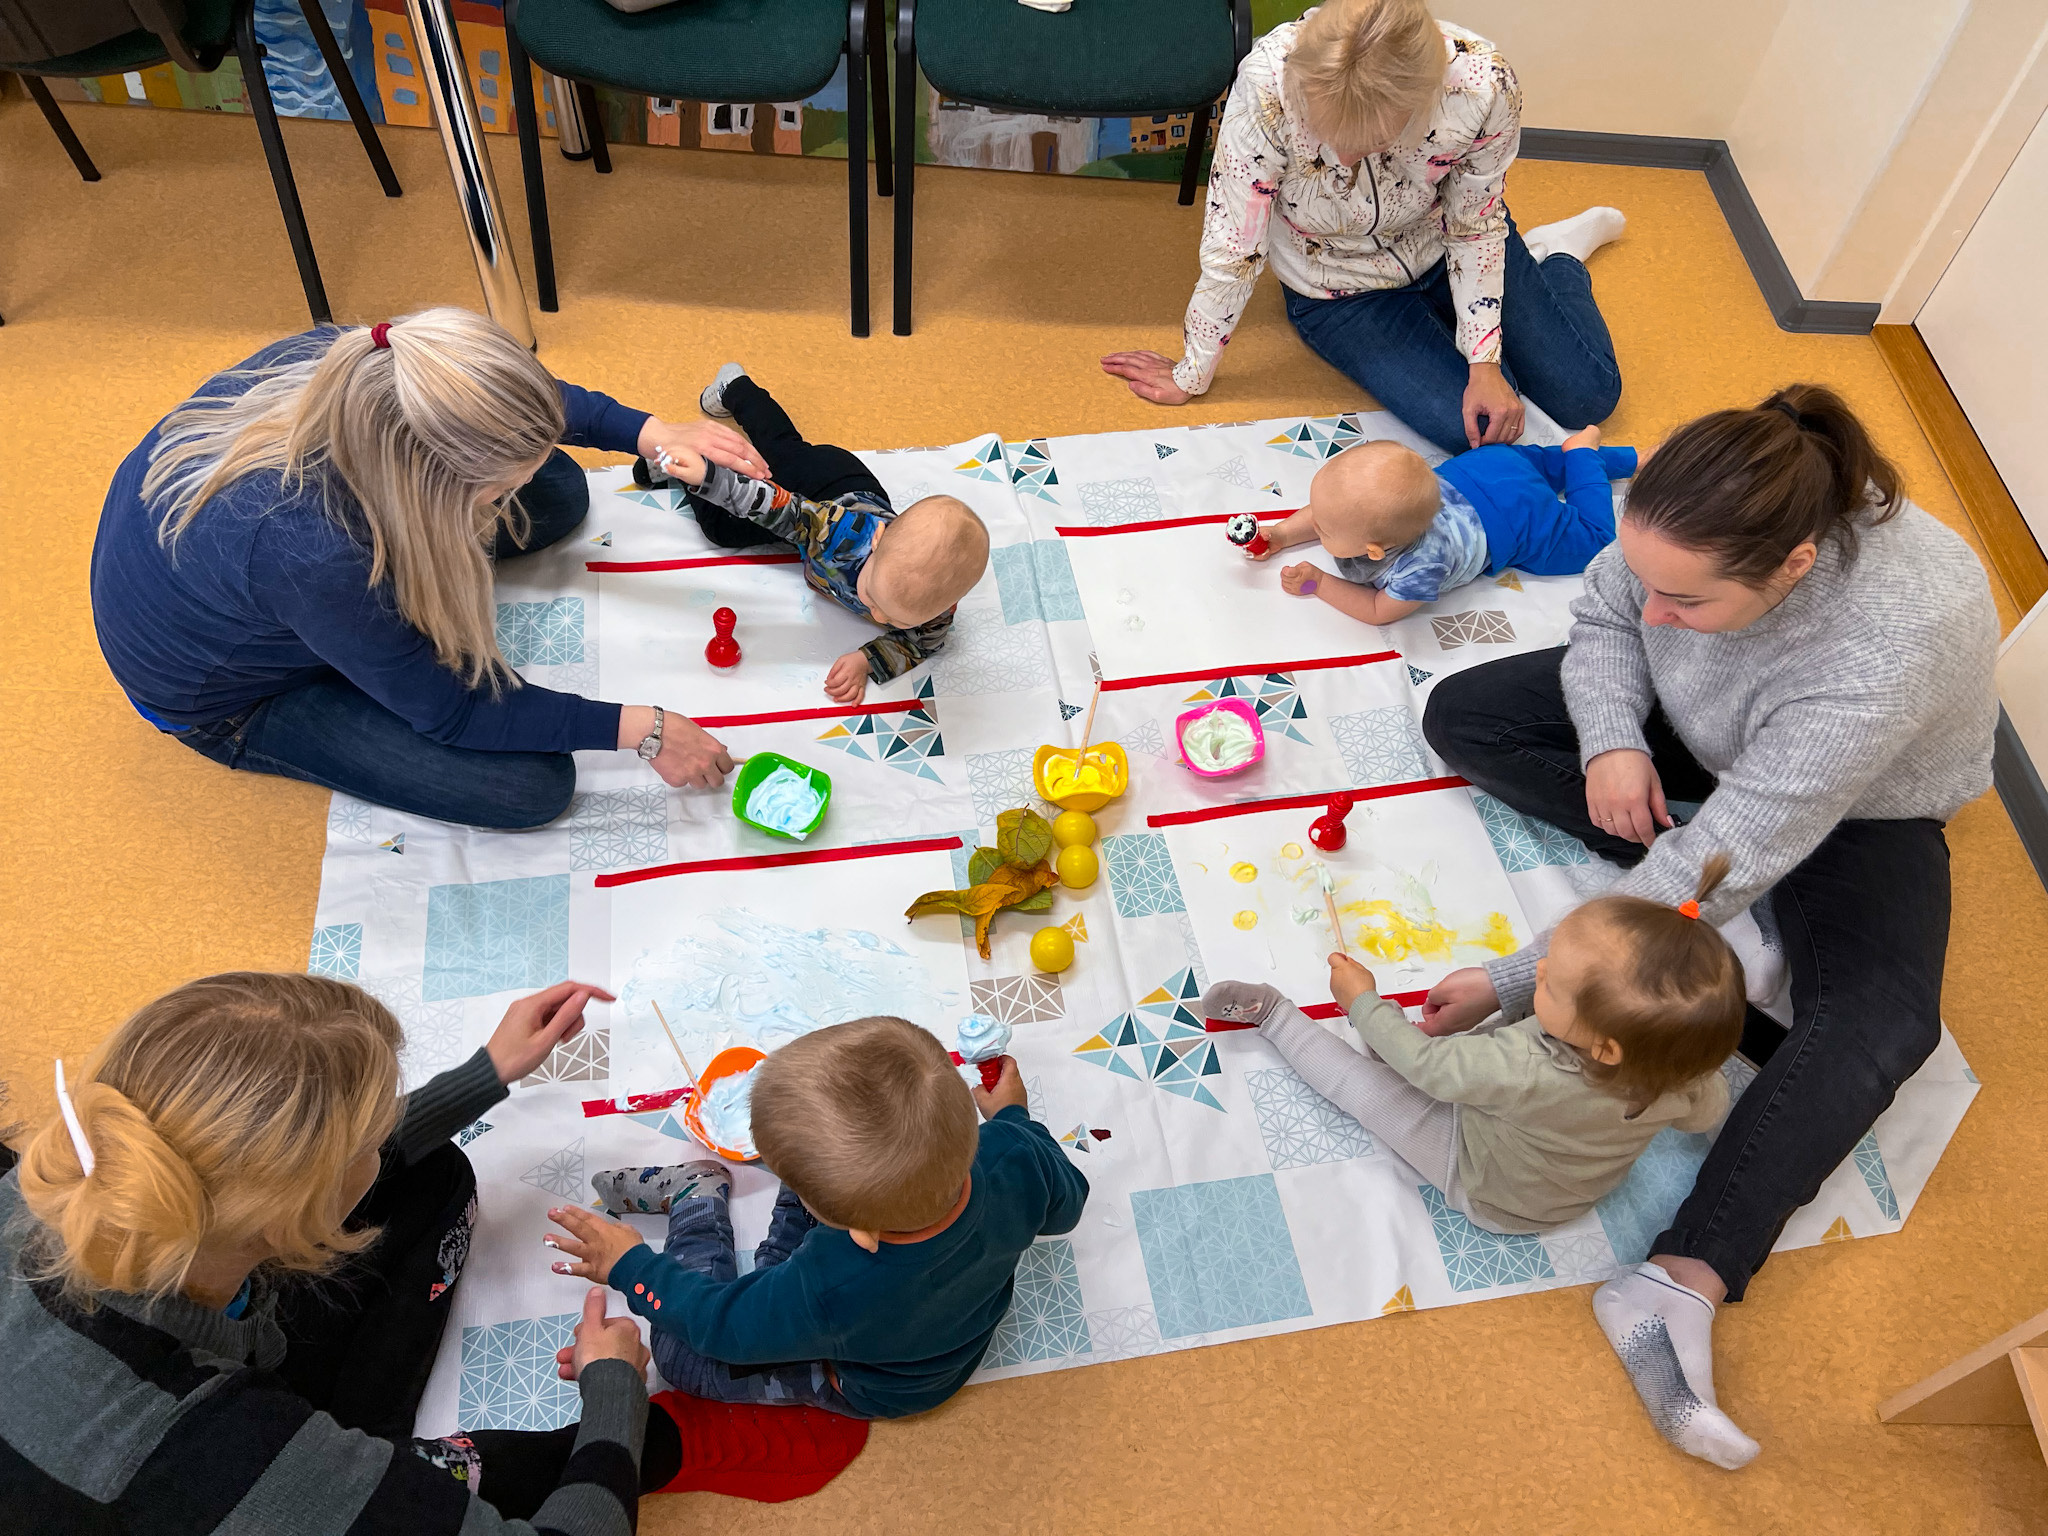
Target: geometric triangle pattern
[1077,925]
[663,499]
[1522,842]
[1582,1257]
[1272,696]
[1271,487]
[1839,1231]
[1017,1000]
[997,781]
[1321,438]
[546,634]
[1120,1333]
[1218,1255]
[1147,738]
[584,1059]
[1509,580]
[1380,746]
[902,740]
[1163,451]
[561,1174]
[609,828]
[664,1123]
[348,818]
[508,1375]
[986,463]
[1417,677]
[1035,580]
[394,843]
[1045,1321]
[1479,627]
[1141,877]
[496,936]
[1110,503]
[471,1131]
[984,655]
[1232,471]
[1298,1125]
[1402,1300]
[1478,1260]
[1870,1163]
[1162,1042]
[1068,711]
[1642,1205]
[337,951]
[1031,468]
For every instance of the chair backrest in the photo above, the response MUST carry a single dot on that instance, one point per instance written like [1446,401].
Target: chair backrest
[32,31]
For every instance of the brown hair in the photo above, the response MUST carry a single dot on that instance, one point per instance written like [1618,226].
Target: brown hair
[1671,996]
[869,1122]
[1360,69]
[227,1110]
[1750,486]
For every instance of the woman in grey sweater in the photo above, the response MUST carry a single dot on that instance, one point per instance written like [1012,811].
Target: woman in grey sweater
[1780,637]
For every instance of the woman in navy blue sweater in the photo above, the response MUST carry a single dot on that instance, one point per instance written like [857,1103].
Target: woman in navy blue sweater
[293,570]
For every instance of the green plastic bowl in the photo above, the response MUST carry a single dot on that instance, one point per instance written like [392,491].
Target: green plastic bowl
[757,768]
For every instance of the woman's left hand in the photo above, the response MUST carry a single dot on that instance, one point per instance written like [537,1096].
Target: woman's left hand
[1149,374]
[1490,395]
[535,1025]
[707,439]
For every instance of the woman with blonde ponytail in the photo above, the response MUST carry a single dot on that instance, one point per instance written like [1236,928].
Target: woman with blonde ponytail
[163,1240]
[293,573]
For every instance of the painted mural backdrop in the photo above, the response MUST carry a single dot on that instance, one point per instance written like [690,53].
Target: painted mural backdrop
[377,37]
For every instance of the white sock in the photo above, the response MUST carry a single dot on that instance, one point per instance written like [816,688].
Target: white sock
[1579,236]
[712,401]
[1664,1334]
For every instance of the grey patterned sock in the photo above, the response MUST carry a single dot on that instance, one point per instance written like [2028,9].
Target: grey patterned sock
[1241,1002]
[1663,1332]
[650,1191]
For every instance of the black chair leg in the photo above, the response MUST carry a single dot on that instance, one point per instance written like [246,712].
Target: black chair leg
[878,90]
[265,112]
[1191,169]
[530,171]
[593,128]
[54,116]
[351,98]
[906,156]
[857,163]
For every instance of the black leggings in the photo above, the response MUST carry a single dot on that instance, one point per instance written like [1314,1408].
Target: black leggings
[819,471]
[1864,920]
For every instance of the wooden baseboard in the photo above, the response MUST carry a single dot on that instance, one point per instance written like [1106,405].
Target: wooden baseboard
[2015,554]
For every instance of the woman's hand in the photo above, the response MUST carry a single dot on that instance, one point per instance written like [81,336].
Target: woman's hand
[1459,1001]
[700,439]
[1488,394]
[535,1025]
[601,1338]
[596,1243]
[691,757]
[1149,375]
[848,679]
[1624,796]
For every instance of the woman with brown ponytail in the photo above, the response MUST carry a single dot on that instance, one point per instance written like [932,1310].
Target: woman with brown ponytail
[1779,637]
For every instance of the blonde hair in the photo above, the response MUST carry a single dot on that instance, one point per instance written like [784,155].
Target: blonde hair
[1379,491]
[417,431]
[226,1111]
[936,550]
[869,1122]
[1361,69]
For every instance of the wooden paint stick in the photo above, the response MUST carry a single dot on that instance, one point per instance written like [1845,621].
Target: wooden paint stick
[688,1071]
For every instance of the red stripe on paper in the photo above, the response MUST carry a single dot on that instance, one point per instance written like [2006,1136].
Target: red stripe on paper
[614,567]
[777,860]
[1203,674]
[830,712]
[1171,522]
[1292,802]
[636,1104]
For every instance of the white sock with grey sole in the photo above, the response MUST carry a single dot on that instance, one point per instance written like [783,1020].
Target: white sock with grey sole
[712,401]
[1578,236]
[1664,1334]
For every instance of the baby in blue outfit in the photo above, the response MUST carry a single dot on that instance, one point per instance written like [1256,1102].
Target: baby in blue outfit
[1402,534]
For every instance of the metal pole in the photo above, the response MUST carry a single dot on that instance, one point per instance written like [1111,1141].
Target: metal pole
[469,164]
[575,138]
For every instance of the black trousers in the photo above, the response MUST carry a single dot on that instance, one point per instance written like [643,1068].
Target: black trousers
[817,470]
[1864,920]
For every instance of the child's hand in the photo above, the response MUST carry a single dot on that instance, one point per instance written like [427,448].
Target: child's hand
[847,682]
[1300,580]
[1585,437]
[1349,981]
[535,1025]
[1009,1089]
[596,1241]
[1297,528]
[689,445]
[601,1338]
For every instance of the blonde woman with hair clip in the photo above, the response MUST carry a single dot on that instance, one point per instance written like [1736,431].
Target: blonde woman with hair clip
[293,573]
[1364,152]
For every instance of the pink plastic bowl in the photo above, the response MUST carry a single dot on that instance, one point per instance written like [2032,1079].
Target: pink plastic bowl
[1239,707]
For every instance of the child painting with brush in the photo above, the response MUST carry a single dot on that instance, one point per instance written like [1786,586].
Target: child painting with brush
[892,1253]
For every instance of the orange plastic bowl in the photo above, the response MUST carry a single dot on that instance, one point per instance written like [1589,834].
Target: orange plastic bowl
[730,1062]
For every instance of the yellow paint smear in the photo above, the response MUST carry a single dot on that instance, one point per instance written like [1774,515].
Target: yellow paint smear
[1244,874]
[1245,919]
[1290,851]
[1391,934]
[1063,776]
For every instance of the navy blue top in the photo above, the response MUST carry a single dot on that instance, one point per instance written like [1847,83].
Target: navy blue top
[904,1327]
[1516,490]
[265,592]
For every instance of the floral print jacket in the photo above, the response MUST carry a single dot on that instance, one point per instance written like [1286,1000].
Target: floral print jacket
[1277,194]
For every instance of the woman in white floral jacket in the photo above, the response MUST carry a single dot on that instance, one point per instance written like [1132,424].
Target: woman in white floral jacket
[1364,152]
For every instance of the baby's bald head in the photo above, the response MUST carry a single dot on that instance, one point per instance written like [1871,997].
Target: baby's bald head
[1377,493]
[931,557]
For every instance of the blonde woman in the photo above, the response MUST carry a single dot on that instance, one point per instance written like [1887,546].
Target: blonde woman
[1364,152]
[293,569]
[231,1141]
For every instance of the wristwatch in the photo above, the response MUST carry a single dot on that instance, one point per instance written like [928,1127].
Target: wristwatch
[650,744]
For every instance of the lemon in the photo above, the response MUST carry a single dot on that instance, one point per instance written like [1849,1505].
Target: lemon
[1073,829]
[1077,867]
[1052,949]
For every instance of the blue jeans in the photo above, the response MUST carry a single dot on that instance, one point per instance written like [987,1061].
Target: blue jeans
[333,734]
[1402,344]
[700,1239]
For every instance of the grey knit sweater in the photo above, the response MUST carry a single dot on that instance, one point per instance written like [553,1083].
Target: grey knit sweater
[1866,694]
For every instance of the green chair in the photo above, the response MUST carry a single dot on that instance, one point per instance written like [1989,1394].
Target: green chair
[1103,58]
[197,36]
[706,51]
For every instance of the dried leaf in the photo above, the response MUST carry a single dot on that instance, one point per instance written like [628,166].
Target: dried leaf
[982,864]
[970,902]
[1023,836]
[1007,886]
[1042,902]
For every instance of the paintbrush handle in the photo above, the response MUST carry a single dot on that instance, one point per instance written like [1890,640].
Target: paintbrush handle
[1088,724]
[688,1071]
[1336,927]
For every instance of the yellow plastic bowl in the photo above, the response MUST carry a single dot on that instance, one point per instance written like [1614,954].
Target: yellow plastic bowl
[1107,758]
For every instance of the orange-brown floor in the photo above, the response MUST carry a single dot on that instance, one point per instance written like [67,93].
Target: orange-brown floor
[133,864]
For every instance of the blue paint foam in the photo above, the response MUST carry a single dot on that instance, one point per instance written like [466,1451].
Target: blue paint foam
[784,802]
[727,1113]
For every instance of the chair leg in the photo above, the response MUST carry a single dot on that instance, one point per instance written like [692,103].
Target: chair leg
[593,126]
[857,178]
[351,98]
[1191,169]
[530,171]
[54,116]
[878,89]
[265,112]
[906,156]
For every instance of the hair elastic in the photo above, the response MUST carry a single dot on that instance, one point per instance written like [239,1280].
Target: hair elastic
[380,335]
[70,1113]
[1689,908]
[1798,418]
